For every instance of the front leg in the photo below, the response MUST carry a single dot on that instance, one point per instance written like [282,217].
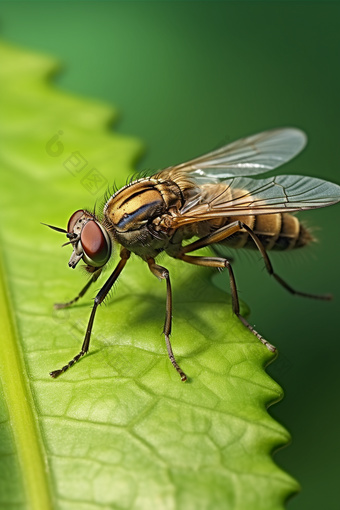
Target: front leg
[94,277]
[163,274]
[124,254]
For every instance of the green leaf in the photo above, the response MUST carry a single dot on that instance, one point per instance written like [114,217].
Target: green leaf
[119,430]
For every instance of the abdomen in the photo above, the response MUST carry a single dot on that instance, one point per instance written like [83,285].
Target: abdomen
[281,231]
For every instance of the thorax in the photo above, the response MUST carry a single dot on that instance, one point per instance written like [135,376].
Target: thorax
[132,215]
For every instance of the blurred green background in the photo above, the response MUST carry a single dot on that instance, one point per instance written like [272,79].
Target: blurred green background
[188,76]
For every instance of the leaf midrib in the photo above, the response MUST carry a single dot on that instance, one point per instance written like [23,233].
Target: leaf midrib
[20,406]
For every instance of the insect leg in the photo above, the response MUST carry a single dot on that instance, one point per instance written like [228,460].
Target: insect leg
[163,274]
[215,237]
[220,262]
[124,254]
[226,231]
[94,277]
[278,278]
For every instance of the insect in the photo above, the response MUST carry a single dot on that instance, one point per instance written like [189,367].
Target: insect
[213,198]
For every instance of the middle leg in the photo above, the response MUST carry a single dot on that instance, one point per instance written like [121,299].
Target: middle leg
[163,274]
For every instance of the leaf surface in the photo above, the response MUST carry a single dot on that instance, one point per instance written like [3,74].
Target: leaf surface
[119,430]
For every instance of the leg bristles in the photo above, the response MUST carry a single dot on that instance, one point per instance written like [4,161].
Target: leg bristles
[269,346]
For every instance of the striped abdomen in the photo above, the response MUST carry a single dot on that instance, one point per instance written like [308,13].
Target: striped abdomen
[280,231]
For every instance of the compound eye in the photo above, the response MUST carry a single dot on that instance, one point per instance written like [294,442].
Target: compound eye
[73,220]
[97,248]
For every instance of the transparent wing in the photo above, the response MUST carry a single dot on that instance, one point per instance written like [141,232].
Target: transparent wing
[253,155]
[243,196]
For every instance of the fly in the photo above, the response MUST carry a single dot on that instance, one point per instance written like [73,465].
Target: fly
[214,198]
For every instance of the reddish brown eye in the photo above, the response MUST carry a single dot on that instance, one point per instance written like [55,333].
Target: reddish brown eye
[73,220]
[95,245]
